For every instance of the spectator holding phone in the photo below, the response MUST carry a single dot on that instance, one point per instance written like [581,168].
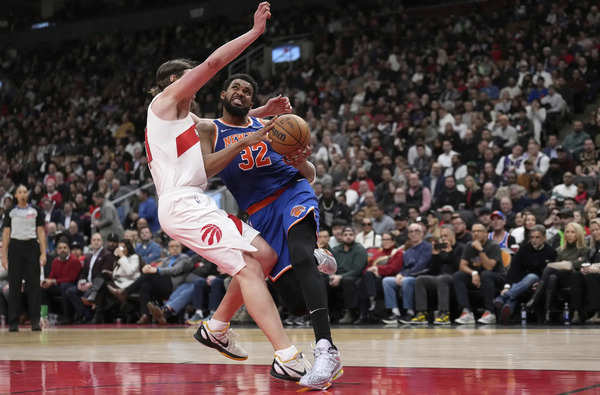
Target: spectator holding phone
[445,258]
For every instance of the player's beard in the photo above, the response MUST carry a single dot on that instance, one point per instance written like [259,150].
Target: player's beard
[234,110]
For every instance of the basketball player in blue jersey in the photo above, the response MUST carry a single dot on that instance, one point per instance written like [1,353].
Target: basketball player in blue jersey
[281,204]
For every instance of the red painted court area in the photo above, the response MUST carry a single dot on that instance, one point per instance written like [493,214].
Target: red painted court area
[19,377]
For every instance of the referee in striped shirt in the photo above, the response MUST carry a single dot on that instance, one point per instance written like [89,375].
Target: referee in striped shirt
[23,252]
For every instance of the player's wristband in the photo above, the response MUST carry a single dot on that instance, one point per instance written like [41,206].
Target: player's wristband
[474,272]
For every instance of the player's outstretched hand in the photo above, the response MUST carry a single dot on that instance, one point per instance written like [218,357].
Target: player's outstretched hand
[278,105]
[298,157]
[263,12]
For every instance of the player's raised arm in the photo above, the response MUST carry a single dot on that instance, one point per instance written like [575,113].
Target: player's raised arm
[186,86]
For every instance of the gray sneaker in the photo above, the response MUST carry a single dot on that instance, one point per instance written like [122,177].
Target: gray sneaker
[326,262]
[326,368]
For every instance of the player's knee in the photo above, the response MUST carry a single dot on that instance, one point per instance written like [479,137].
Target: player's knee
[269,256]
[252,270]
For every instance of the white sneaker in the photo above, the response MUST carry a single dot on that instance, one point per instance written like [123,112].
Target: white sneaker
[465,318]
[292,369]
[326,262]
[224,341]
[327,367]
[487,318]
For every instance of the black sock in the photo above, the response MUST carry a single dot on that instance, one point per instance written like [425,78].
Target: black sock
[302,242]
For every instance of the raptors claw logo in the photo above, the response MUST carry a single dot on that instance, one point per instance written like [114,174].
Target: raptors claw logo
[297,211]
[211,234]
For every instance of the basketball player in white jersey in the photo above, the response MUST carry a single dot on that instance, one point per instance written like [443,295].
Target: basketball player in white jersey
[180,171]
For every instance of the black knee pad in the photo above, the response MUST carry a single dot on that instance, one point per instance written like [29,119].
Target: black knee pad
[302,241]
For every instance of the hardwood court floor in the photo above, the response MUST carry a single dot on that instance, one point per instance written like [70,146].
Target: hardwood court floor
[129,359]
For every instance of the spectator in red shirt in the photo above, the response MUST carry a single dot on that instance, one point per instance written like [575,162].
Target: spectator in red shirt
[63,274]
[361,175]
[370,283]
[53,194]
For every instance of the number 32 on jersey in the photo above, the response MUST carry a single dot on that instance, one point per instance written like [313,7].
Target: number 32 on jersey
[249,160]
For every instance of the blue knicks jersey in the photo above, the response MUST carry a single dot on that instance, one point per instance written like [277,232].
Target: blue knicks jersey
[258,171]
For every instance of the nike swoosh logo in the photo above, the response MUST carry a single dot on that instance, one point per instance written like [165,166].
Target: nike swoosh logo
[314,311]
[294,370]
[224,345]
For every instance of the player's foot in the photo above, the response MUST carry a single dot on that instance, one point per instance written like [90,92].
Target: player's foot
[292,369]
[326,262]
[327,367]
[224,341]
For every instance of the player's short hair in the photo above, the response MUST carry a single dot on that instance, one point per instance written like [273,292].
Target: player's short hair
[246,77]
[172,67]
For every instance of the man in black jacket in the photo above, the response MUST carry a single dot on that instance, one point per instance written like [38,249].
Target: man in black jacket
[102,258]
[525,270]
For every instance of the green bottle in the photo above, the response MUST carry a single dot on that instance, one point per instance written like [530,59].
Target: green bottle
[44,311]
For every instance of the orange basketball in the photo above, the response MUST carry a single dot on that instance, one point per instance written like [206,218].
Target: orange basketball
[289,133]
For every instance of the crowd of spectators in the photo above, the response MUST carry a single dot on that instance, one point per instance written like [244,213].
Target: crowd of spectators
[438,144]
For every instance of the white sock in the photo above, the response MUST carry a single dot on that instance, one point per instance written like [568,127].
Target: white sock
[216,325]
[199,312]
[410,312]
[287,353]
[396,311]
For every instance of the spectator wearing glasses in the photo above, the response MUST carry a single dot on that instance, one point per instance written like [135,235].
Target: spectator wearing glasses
[416,260]
[525,270]
[367,236]
[480,268]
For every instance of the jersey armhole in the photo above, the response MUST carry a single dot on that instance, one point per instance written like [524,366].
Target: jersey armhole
[214,137]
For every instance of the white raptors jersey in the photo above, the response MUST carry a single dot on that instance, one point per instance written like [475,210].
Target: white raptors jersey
[174,153]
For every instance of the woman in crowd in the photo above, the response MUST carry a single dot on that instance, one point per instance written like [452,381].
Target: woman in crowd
[564,272]
[591,275]
[535,193]
[124,273]
[473,193]
[521,234]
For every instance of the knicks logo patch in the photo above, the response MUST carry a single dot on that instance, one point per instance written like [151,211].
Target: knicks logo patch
[297,211]
[211,234]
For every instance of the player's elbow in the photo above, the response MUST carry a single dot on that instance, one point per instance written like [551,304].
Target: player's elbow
[215,63]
